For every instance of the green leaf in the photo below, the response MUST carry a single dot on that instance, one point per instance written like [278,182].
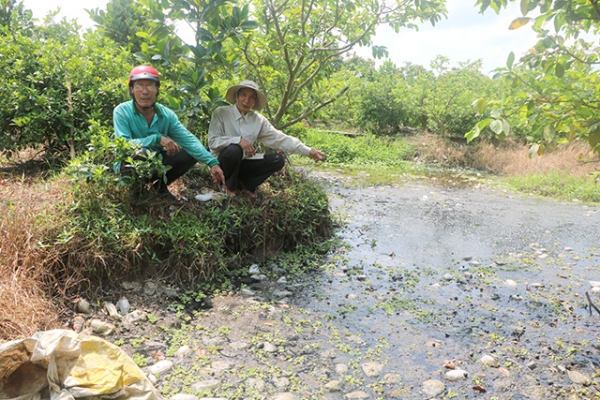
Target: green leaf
[496,126]
[533,150]
[496,113]
[524,7]
[559,70]
[510,60]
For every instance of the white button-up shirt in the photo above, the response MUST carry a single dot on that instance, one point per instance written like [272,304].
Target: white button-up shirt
[228,126]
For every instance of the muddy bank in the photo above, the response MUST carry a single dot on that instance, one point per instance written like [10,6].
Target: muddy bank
[431,278]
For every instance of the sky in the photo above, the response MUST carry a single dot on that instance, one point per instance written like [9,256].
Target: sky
[465,35]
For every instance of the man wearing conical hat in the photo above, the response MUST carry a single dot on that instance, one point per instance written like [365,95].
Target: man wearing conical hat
[236,128]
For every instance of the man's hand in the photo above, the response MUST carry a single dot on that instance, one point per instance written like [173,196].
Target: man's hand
[170,145]
[249,150]
[217,174]
[317,155]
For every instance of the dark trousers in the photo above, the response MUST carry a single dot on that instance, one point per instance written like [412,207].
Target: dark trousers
[250,173]
[180,163]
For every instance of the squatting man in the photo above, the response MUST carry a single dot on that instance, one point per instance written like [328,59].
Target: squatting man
[235,129]
[155,128]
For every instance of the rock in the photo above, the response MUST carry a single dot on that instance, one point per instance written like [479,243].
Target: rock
[579,377]
[160,367]
[83,306]
[400,393]
[239,345]
[282,280]
[254,269]
[334,386]
[102,328]
[532,365]
[488,360]
[269,347]
[284,396]
[433,387]
[359,394]
[135,316]
[448,277]
[341,369]
[257,384]
[392,378]
[111,310]
[149,288]
[456,375]
[281,383]
[280,294]
[259,277]
[123,305]
[511,283]
[372,369]
[206,385]
[183,351]
[247,292]
[221,365]
[184,396]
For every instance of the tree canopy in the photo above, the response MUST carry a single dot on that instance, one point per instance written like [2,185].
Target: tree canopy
[555,91]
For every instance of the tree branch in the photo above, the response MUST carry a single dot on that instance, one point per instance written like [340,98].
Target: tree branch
[314,109]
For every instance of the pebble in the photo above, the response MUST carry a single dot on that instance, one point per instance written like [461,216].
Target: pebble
[511,283]
[456,375]
[281,383]
[111,310]
[102,328]
[83,306]
[183,351]
[269,347]
[134,286]
[206,385]
[333,386]
[160,367]
[392,378]
[580,378]
[135,316]
[123,305]
[221,365]
[359,394]
[341,369]
[448,277]
[184,396]
[149,288]
[254,269]
[488,360]
[372,369]
[284,396]
[433,387]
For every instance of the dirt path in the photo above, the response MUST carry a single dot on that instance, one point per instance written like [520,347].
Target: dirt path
[430,277]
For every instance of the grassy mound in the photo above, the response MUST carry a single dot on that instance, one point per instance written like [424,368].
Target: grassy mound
[59,240]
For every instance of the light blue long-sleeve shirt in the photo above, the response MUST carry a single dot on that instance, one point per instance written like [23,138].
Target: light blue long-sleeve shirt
[131,125]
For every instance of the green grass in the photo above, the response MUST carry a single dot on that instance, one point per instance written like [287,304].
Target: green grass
[556,185]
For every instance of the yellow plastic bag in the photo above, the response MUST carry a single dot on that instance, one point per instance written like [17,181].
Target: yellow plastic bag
[62,365]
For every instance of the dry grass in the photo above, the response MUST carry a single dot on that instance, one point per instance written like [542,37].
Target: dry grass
[573,159]
[508,158]
[24,307]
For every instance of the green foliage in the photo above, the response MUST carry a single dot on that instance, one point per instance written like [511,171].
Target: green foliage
[555,87]
[117,230]
[14,17]
[298,44]
[54,85]
[121,21]
[191,67]
[360,150]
